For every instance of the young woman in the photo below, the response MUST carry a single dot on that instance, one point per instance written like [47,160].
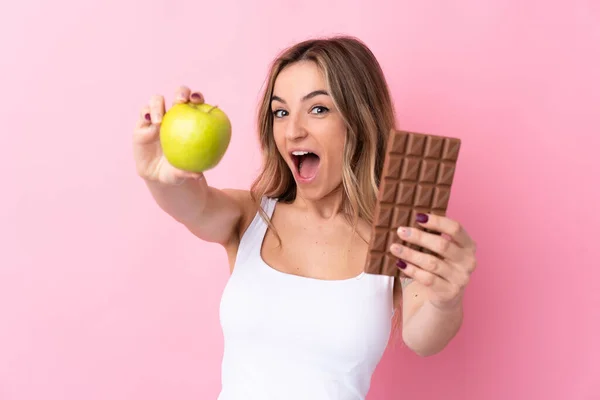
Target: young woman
[300,318]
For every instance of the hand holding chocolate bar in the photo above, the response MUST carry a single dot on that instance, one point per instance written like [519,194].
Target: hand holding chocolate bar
[446,267]
[411,236]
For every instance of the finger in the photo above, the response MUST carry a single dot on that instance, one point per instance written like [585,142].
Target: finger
[197,98]
[146,134]
[438,244]
[185,175]
[157,108]
[144,118]
[144,131]
[427,262]
[424,277]
[182,95]
[179,175]
[448,226]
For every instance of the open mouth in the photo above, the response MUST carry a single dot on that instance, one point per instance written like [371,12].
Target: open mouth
[307,164]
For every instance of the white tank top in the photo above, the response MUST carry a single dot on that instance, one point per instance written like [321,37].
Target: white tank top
[288,337]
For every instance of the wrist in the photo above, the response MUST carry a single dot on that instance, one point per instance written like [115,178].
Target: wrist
[448,307]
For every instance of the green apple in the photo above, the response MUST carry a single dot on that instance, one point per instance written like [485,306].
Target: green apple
[194,137]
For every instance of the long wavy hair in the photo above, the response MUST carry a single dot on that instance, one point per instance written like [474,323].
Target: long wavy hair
[360,92]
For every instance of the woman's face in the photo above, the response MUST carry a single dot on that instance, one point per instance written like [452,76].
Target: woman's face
[309,131]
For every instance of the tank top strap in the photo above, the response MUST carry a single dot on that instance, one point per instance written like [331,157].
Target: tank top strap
[252,239]
[268,205]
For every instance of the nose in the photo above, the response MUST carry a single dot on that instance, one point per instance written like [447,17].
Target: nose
[295,128]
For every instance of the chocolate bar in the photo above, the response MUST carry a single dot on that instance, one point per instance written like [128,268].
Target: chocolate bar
[417,176]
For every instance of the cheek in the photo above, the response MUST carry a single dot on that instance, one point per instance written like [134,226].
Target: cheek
[278,137]
[336,146]
[337,161]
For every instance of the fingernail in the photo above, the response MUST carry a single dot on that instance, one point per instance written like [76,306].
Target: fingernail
[195,96]
[401,264]
[422,218]
[147,116]
[404,232]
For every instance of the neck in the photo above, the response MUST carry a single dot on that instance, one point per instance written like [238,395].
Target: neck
[327,207]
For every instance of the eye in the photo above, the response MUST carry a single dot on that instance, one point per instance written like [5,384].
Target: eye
[319,110]
[279,113]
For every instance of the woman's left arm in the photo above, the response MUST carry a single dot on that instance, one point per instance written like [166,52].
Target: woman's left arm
[434,285]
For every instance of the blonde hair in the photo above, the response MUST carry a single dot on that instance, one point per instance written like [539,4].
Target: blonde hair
[359,91]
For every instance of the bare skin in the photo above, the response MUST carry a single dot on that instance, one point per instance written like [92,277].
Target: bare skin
[316,240]
[323,248]
[323,244]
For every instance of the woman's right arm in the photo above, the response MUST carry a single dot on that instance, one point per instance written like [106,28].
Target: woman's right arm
[211,214]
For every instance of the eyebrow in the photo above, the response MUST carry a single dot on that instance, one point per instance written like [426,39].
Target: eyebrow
[308,96]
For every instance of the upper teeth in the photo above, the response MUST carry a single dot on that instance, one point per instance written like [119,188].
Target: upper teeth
[300,153]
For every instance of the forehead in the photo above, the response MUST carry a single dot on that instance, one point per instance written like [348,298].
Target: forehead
[299,78]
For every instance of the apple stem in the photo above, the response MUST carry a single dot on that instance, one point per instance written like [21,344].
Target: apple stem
[212,108]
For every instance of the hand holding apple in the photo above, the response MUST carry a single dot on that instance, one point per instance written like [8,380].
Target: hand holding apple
[192,137]
[195,136]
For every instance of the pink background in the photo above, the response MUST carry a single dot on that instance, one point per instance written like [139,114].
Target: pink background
[102,296]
